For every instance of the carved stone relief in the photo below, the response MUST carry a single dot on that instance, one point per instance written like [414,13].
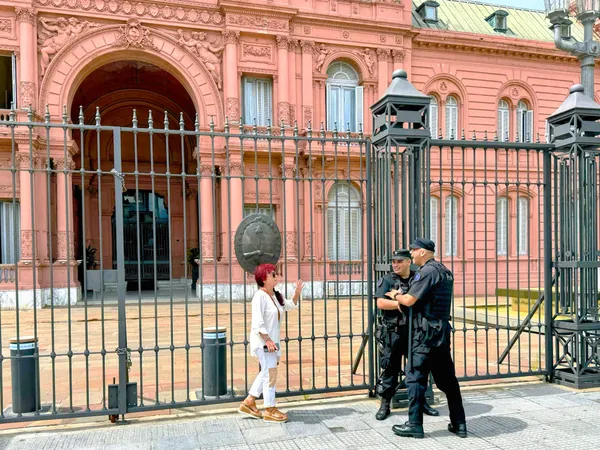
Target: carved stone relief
[320,54]
[6,27]
[26,15]
[258,51]
[257,22]
[27,94]
[208,52]
[368,55]
[134,35]
[232,110]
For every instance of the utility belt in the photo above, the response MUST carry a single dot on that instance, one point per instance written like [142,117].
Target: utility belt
[431,332]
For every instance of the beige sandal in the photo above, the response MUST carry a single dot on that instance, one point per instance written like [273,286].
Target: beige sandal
[274,415]
[250,410]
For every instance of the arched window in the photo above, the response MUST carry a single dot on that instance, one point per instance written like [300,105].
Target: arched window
[344,223]
[344,97]
[10,230]
[502,226]
[524,122]
[451,226]
[503,121]
[451,118]
[434,217]
[522,225]
[433,117]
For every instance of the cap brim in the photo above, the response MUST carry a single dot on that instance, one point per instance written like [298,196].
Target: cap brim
[414,246]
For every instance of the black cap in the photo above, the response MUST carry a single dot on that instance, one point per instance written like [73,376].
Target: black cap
[401,254]
[427,244]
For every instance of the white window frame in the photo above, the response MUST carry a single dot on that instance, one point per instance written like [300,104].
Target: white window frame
[524,122]
[503,121]
[451,117]
[434,220]
[344,240]
[451,226]
[13,81]
[502,226]
[342,80]
[522,225]
[10,226]
[433,117]
[253,89]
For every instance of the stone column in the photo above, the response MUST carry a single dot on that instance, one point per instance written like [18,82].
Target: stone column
[230,74]
[309,225]
[27,58]
[64,209]
[232,208]
[207,211]
[384,74]
[288,173]
[292,47]
[307,83]
[398,59]
[283,97]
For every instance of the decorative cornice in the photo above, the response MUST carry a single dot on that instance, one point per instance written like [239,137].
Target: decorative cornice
[231,36]
[261,22]
[383,54]
[282,42]
[26,15]
[307,46]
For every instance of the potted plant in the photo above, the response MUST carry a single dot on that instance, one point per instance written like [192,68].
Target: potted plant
[192,255]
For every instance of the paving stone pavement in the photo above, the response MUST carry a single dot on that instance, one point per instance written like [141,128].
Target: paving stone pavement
[516,416]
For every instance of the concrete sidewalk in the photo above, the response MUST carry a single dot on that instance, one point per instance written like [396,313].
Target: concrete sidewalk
[513,416]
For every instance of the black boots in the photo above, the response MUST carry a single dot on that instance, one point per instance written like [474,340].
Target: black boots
[384,410]
[460,429]
[409,430]
[430,411]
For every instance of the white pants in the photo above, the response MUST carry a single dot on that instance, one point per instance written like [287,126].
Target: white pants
[264,383]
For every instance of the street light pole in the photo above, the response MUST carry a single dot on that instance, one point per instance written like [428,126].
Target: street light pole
[587,51]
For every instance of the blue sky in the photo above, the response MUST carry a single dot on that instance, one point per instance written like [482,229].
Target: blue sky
[531,4]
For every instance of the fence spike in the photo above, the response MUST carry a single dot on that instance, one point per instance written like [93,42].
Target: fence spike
[150,119]
[496,136]
[64,114]
[12,114]
[134,119]
[474,135]
[226,126]
[360,131]
[322,130]
[528,137]
[269,131]
[440,136]
[295,128]
[97,116]
[463,135]
[47,114]
[241,125]
[451,133]
[166,121]
[197,122]
[538,138]
[506,135]
[485,136]
[282,128]
[518,136]
[254,127]
[309,129]
[181,122]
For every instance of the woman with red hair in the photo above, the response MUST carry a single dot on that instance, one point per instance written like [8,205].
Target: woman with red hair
[268,307]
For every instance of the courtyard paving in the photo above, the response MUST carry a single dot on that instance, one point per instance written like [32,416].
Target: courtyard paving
[512,416]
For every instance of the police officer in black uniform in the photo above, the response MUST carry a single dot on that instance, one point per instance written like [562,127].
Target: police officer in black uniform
[430,296]
[392,331]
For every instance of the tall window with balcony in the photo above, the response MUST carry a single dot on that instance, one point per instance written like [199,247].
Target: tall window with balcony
[524,122]
[258,101]
[10,232]
[344,232]
[8,81]
[433,117]
[451,118]
[344,98]
[451,226]
[503,121]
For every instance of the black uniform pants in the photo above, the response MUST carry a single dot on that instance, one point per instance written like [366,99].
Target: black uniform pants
[438,362]
[393,345]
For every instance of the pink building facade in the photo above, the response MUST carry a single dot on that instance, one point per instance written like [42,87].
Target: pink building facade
[323,62]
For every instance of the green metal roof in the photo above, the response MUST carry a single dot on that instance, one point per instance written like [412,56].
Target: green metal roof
[469,16]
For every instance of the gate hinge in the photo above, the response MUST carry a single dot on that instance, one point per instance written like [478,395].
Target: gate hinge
[120,176]
[127,353]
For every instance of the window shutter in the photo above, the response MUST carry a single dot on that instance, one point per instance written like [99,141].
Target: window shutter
[502,226]
[451,119]
[355,242]
[331,235]
[433,221]
[358,98]
[9,230]
[433,118]
[503,122]
[520,137]
[523,226]
[249,102]
[263,98]
[529,130]
[451,238]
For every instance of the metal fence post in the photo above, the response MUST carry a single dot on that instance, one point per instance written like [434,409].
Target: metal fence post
[548,334]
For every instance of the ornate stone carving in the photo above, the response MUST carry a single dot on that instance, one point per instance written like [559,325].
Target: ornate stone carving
[61,245]
[291,245]
[282,42]
[259,51]
[134,35]
[26,15]
[66,30]
[514,92]
[205,170]
[333,5]
[307,47]
[27,94]
[6,26]
[206,51]
[398,56]
[399,40]
[283,112]
[25,162]
[308,245]
[257,22]
[235,169]
[346,34]
[320,54]
[231,36]
[368,55]
[306,30]
[232,109]
[26,244]
[288,169]
[443,86]
[383,54]
[59,164]
[208,239]
[307,114]
[318,191]
[293,45]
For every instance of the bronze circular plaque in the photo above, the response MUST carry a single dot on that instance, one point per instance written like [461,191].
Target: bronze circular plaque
[257,241]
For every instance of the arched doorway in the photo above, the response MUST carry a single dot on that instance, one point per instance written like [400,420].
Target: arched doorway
[152,202]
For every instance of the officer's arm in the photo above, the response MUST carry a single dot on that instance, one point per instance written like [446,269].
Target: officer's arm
[405,299]
[387,304]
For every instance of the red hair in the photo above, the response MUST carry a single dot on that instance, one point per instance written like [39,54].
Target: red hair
[262,272]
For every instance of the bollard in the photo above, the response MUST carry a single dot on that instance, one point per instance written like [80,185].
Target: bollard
[214,362]
[23,373]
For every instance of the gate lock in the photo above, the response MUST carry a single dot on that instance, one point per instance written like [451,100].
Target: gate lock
[121,177]
[127,353]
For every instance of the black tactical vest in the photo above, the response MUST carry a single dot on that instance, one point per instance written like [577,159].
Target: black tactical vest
[440,298]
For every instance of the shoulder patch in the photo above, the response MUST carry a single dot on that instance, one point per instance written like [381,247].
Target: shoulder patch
[417,276]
